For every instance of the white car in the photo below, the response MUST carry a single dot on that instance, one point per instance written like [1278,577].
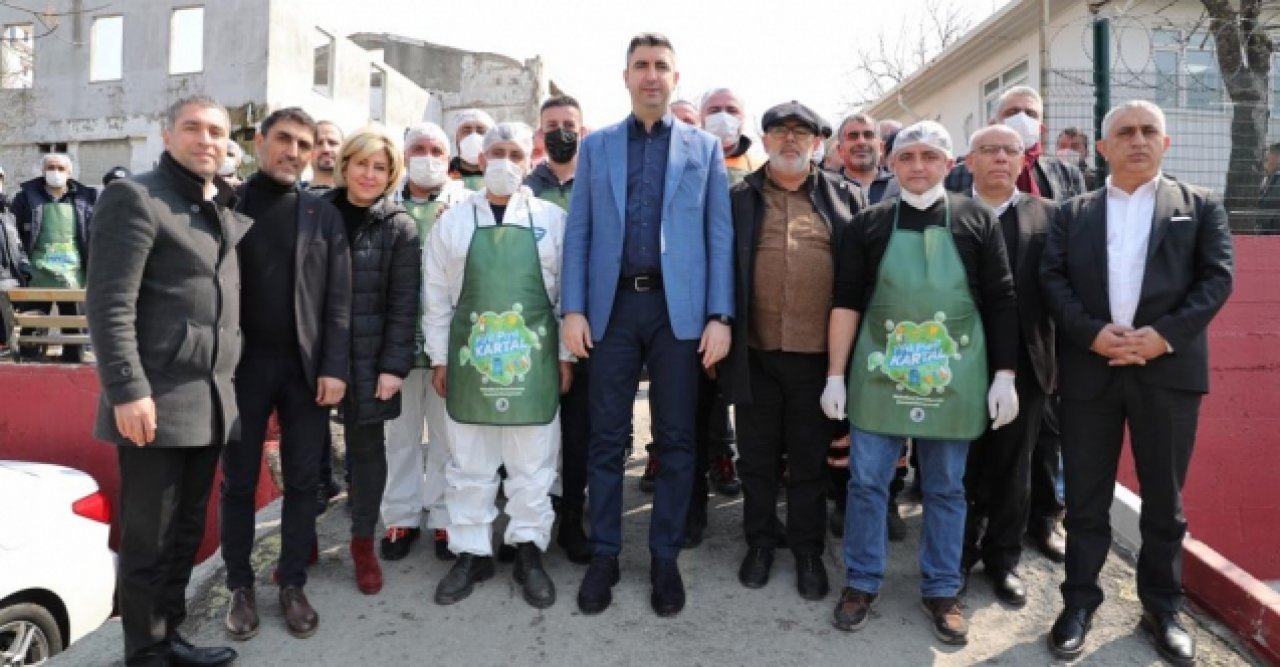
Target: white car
[57,574]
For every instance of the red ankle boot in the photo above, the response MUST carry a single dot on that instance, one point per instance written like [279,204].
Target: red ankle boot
[368,572]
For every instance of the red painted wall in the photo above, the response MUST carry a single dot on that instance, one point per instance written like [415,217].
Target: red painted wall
[1232,497]
[47,413]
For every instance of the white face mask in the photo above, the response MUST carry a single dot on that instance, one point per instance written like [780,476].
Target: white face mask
[924,200]
[470,146]
[723,125]
[1027,128]
[428,171]
[502,177]
[55,179]
[1068,155]
[228,167]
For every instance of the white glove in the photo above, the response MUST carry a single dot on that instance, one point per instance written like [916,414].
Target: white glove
[833,397]
[1002,400]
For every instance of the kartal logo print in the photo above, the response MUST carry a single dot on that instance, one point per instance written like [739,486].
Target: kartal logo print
[918,356]
[499,346]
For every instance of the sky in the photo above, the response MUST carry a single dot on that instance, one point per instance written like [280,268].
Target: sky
[767,52]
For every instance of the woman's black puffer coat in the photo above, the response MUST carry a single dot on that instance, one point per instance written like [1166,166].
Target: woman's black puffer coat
[386,278]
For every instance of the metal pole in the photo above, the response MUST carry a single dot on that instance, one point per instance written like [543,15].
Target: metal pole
[1101,83]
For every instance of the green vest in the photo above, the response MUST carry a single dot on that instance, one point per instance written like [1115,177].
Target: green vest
[503,341]
[55,259]
[920,361]
[425,215]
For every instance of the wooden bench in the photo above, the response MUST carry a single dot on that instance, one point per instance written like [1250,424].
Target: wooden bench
[14,319]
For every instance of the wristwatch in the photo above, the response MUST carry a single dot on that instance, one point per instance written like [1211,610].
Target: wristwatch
[722,319]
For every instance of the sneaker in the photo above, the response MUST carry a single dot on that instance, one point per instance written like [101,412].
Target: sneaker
[396,543]
[853,609]
[647,480]
[724,477]
[441,541]
[949,623]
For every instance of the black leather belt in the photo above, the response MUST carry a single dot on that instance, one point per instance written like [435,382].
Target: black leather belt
[643,282]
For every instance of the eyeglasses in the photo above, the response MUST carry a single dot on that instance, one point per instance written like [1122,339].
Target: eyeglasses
[992,149]
[780,132]
[865,134]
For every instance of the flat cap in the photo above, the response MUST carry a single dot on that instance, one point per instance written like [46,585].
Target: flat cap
[794,110]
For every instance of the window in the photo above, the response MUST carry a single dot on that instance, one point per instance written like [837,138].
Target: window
[106,49]
[993,88]
[322,69]
[186,40]
[1186,70]
[17,56]
[377,94]
[54,147]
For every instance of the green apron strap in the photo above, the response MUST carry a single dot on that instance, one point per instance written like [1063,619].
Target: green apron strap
[424,214]
[504,340]
[919,364]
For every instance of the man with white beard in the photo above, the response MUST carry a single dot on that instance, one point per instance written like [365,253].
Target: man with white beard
[789,217]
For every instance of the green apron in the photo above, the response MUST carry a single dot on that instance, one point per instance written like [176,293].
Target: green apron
[558,196]
[473,182]
[503,341]
[920,362]
[55,259]
[424,214]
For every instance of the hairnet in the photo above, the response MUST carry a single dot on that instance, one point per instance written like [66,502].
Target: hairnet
[517,133]
[468,115]
[428,131]
[927,132]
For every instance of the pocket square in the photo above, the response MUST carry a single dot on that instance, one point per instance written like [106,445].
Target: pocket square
[1180,218]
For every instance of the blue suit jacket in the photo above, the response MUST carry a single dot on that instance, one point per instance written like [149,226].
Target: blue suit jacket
[697,230]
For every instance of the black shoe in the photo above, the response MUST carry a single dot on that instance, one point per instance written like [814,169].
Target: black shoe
[754,571]
[506,553]
[595,594]
[572,538]
[441,541]
[537,588]
[1066,639]
[1008,588]
[395,544]
[466,572]
[1048,540]
[811,577]
[835,520]
[1172,641]
[853,609]
[897,527]
[648,479]
[183,654]
[667,597]
[723,476]
[694,525]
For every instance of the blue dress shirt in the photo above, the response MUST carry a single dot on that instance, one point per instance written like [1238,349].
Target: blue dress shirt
[646,179]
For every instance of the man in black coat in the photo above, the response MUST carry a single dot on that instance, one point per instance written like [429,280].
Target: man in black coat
[998,475]
[296,316]
[788,217]
[1133,274]
[163,305]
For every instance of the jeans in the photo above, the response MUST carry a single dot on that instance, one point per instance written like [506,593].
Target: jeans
[872,460]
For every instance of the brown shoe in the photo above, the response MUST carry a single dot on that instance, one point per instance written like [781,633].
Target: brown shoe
[949,623]
[853,610]
[299,616]
[242,616]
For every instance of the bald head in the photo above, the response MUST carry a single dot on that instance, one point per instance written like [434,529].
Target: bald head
[995,134]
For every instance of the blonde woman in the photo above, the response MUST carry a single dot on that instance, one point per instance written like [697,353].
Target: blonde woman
[386,272]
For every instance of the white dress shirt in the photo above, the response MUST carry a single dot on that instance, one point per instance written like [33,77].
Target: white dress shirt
[1013,199]
[1128,231]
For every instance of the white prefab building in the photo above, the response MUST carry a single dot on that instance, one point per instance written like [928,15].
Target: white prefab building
[1161,50]
[93,79]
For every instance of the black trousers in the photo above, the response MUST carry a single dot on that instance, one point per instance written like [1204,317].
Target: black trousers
[266,382]
[997,483]
[1162,431]
[367,464]
[784,417]
[164,494]
[575,436]
[1046,507]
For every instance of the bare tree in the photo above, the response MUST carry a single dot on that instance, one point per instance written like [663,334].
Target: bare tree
[897,55]
[1244,50]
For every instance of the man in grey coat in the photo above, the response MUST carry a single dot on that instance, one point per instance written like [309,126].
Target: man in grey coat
[164,315]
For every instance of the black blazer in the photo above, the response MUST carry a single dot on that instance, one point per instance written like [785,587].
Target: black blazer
[1187,280]
[321,288]
[834,199]
[1035,326]
[1058,180]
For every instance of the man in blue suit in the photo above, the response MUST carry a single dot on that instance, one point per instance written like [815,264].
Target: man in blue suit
[647,279]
